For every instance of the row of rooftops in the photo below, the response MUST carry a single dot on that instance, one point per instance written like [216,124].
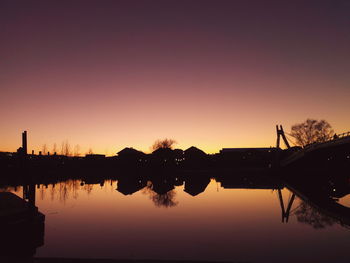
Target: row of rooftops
[195,150]
[129,151]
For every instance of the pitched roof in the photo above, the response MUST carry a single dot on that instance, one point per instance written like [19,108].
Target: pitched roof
[162,151]
[130,151]
[194,150]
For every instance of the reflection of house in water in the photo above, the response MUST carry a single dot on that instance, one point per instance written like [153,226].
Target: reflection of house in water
[130,185]
[196,186]
[178,181]
[93,181]
[250,182]
[21,224]
[162,186]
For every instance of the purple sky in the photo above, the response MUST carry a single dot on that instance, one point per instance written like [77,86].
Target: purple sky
[109,74]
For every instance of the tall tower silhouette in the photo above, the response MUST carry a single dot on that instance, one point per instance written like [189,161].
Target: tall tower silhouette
[24,142]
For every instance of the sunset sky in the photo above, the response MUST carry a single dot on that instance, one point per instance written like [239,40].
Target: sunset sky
[213,74]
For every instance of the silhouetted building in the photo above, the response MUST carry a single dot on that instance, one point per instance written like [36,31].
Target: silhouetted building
[253,157]
[248,151]
[195,158]
[164,156]
[194,152]
[130,152]
[131,156]
[178,155]
[95,156]
[24,142]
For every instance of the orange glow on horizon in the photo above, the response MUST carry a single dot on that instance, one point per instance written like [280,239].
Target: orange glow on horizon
[128,76]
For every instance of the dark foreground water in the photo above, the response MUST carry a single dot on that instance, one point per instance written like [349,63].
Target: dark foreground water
[240,225]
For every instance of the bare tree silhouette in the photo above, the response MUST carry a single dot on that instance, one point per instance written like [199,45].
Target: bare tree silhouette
[44,149]
[66,148]
[311,131]
[163,144]
[77,150]
[164,200]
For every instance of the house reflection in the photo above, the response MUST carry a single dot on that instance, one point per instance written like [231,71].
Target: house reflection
[130,186]
[197,185]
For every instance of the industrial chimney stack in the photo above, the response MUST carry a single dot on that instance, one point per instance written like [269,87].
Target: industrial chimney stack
[24,142]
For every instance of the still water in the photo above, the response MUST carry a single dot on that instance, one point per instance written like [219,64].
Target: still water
[241,225]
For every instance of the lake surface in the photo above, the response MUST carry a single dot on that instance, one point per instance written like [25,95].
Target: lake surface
[241,225]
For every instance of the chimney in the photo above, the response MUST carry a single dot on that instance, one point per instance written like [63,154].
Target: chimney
[24,142]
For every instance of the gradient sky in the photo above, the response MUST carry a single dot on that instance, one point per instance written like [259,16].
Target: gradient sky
[214,74]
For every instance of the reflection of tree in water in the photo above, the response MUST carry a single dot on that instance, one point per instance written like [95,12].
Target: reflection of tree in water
[161,200]
[10,189]
[88,188]
[68,189]
[311,216]
[164,200]
[52,192]
[60,190]
[42,192]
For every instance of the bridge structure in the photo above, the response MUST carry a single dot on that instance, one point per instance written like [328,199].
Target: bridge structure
[331,143]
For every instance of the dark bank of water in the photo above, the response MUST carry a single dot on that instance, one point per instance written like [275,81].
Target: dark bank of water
[202,220]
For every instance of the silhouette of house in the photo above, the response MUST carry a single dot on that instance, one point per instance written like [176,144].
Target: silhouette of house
[163,155]
[245,150]
[163,152]
[194,153]
[195,158]
[258,157]
[178,153]
[131,154]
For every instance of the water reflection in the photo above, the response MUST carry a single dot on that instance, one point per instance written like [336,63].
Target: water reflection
[309,215]
[319,204]
[314,198]
[164,199]
[298,201]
